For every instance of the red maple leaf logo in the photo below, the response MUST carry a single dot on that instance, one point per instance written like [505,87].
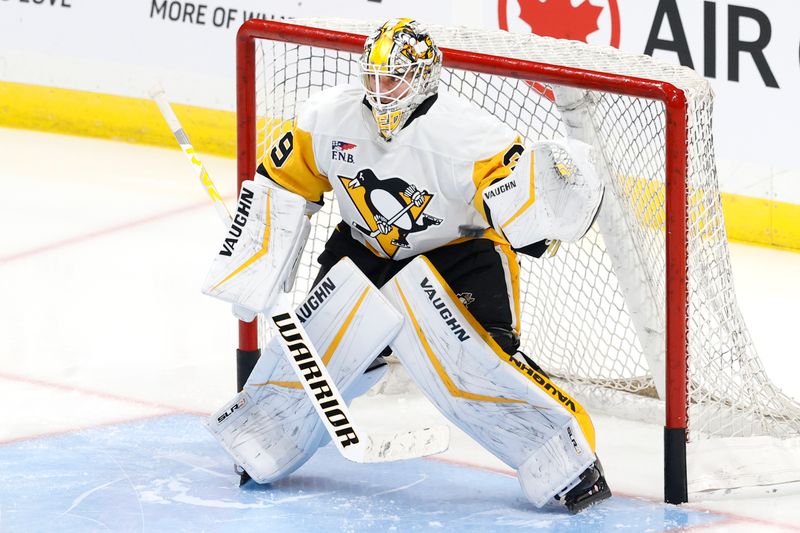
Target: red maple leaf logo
[560,19]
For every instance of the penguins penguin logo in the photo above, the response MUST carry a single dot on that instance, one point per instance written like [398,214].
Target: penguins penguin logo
[391,208]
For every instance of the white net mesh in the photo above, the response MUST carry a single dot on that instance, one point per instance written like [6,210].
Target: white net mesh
[593,315]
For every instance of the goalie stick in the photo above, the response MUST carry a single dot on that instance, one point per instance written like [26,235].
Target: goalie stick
[354,444]
[186,147]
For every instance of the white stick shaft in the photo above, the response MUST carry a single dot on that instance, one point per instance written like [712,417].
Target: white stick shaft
[188,150]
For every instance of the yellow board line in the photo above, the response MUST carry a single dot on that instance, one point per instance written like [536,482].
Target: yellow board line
[748,219]
[763,222]
[118,118]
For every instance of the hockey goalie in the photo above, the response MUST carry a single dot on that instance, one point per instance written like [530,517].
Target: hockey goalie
[437,199]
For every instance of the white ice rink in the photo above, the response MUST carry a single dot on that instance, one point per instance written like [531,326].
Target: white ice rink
[102,252]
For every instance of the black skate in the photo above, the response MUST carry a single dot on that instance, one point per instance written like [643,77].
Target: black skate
[591,489]
[244,477]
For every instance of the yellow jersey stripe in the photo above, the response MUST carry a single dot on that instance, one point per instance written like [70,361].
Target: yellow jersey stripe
[487,171]
[299,173]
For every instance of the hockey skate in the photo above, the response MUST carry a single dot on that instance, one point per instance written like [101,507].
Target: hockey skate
[590,489]
[244,477]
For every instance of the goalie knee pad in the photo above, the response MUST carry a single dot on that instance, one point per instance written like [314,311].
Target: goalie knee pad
[507,405]
[271,428]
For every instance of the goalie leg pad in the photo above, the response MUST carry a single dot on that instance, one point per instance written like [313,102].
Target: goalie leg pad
[271,427]
[260,251]
[510,408]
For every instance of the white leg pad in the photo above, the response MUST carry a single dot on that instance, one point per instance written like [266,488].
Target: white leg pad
[271,427]
[512,410]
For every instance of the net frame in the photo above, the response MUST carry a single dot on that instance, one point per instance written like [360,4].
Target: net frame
[676,110]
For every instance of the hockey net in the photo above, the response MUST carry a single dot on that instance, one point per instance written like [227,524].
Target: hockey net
[594,315]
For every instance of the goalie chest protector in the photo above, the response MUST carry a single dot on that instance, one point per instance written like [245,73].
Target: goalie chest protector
[405,197]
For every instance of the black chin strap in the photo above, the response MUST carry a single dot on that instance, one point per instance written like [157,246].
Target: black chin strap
[421,109]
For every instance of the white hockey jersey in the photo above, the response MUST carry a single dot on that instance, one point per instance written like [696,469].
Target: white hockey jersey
[421,191]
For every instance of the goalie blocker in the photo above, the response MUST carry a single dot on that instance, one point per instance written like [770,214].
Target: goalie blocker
[502,400]
[259,255]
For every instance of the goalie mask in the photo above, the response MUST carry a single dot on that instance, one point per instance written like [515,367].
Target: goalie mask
[400,68]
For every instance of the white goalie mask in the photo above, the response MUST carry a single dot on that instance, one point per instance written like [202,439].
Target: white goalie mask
[400,68]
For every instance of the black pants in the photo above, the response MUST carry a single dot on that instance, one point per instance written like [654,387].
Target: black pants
[478,271]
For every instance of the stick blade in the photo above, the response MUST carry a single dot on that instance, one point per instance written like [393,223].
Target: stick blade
[381,448]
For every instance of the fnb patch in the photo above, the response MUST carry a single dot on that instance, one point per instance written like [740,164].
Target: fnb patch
[339,151]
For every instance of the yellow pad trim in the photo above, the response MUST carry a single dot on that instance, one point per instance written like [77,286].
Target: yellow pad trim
[569,404]
[285,384]
[338,338]
[437,365]
[117,118]
[331,349]
[258,255]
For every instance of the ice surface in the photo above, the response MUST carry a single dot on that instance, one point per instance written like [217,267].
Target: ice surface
[168,474]
[108,354]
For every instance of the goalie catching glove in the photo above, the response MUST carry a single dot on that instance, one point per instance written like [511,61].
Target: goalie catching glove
[259,254]
[552,193]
